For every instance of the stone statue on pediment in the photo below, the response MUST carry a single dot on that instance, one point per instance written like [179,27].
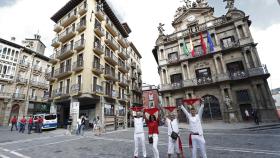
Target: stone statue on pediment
[161,29]
[202,3]
[230,4]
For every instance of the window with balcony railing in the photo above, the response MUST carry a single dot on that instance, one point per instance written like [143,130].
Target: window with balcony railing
[203,76]
[228,42]
[173,57]
[236,70]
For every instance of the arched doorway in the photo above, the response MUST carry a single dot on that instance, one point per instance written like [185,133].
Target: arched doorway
[14,111]
[212,109]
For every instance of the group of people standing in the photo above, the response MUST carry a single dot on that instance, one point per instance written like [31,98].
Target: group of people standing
[196,138]
[31,122]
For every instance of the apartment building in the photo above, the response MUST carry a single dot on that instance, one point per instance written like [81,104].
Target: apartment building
[214,58]
[22,80]
[93,64]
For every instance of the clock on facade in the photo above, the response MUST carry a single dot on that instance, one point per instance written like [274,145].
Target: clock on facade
[191,18]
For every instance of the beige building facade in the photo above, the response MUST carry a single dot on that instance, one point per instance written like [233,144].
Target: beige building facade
[22,80]
[231,78]
[93,65]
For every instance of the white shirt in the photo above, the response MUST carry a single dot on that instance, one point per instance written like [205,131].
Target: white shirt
[175,126]
[138,125]
[195,122]
[79,121]
[246,113]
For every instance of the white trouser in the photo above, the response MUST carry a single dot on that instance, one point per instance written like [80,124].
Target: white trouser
[141,137]
[155,143]
[198,142]
[173,144]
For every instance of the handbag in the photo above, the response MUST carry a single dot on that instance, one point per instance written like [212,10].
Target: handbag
[150,138]
[173,135]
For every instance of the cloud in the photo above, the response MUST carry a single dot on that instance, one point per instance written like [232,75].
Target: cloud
[5,3]
[268,50]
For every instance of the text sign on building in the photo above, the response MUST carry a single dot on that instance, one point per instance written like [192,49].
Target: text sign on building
[74,107]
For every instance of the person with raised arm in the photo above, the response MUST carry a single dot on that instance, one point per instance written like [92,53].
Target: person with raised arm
[196,138]
[152,123]
[139,136]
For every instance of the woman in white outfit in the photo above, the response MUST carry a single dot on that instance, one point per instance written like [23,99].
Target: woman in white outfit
[139,135]
[173,126]
[196,132]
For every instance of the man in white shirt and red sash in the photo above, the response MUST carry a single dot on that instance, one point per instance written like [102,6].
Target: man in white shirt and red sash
[196,139]
[139,136]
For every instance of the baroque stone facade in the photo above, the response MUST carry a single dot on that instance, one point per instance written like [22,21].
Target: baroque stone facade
[231,78]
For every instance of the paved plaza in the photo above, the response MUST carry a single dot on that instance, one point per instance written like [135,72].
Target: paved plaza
[119,144]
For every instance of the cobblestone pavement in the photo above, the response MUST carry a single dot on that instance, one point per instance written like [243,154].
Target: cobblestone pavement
[119,144]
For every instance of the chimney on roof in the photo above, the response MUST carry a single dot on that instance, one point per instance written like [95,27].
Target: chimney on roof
[13,39]
[37,36]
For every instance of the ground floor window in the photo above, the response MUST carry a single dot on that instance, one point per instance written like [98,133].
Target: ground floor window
[121,110]
[109,110]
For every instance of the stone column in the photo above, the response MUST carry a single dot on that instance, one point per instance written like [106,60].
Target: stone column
[161,77]
[188,70]
[223,64]
[255,62]
[167,77]
[266,96]
[74,112]
[216,65]
[183,71]
[7,113]
[256,96]
[246,59]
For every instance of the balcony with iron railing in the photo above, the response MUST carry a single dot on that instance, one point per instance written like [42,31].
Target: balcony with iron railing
[97,68]
[99,13]
[109,74]
[122,67]
[136,88]
[139,71]
[123,53]
[61,92]
[63,71]
[38,84]
[98,48]
[20,80]
[98,29]
[24,64]
[80,45]
[111,27]
[111,94]
[7,77]
[173,60]
[18,96]
[97,89]
[123,41]
[133,65]
[69,18]
[37,69]
[65,52]
[111,42]
[134,76]
[55,42]
[81,26]
[67,34]
[35,98]
[82,8]
[76,88]
[110,57]
[229,76]
[78,66]
[57,27]
[50,76]
[123,97]
[5,95]
[53,58]
[123,82]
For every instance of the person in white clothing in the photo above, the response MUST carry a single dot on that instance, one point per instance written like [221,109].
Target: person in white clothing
[172,124]
[196,132]
[139,134]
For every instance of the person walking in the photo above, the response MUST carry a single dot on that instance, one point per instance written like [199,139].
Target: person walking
[40,124]
[139,136]
[247,116]
[22,124]
[78,128]
[36,124]
[69,125]
[30,124]
[153,132]
[97,126]
[83,125]
[255,116]
[196,133]
[173,135]
[14,123]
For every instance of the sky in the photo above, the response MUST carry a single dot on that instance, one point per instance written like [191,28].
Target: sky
[23,18]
